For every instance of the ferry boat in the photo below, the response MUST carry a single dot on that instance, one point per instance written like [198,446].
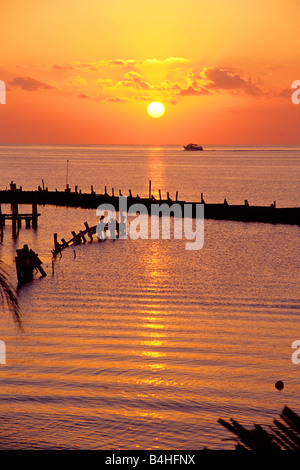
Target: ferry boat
[193,147]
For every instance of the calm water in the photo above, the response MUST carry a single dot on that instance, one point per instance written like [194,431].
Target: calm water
[142,344]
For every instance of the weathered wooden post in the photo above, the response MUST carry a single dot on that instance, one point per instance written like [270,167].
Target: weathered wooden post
[26,261]
[130,194]
[34,216]
[89,230]
[57,247]
[15,213]
[77,240]
[176,196]
[113,192]
[159,192]
[1,223]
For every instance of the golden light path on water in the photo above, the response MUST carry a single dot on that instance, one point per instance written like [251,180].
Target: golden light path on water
[140,343]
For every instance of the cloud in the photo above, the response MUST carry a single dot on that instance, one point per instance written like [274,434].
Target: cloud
[224,79]
[30,84]
[105,82]
[286,93]
[63,67]
[190,90]
[134,80]
[98,65]
[116,99]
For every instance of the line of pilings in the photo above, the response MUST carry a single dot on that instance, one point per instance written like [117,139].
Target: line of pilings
[222,211]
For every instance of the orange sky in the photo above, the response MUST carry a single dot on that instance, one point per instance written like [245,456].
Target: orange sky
[85,71]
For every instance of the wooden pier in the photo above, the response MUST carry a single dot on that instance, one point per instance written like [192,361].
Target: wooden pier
[223,211]
[30,219]
[78,238]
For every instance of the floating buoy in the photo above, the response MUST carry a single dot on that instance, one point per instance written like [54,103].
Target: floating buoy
[279,385]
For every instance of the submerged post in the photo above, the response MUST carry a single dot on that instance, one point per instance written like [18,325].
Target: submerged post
[34,216]
[15,213]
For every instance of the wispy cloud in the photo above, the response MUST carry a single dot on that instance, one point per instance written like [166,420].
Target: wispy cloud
[29,84]
[116,99]
[191,91]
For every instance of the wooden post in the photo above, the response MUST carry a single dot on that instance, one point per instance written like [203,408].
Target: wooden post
[57,248]
[34,216]
[52,267]
[159,192]
[149,189]
[64,243]
[202,200]
[27,222]
[89,231]
[113,192]
[176,195]
[1,223]
[77,240]
[15,212]
[130,195]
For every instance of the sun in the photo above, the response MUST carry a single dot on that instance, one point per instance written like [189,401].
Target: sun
[156,109]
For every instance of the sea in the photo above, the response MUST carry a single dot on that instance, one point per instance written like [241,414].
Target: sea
[139,343]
